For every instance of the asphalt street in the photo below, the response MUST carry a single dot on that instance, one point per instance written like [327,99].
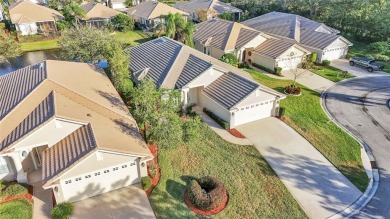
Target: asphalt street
[361,105]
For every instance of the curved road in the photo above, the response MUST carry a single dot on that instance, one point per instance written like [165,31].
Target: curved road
[361,105]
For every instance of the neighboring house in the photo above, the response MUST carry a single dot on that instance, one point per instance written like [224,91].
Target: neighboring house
[41,2]
[2,13]
[212,7]
[217,37]
[64,127]
[30,18]
[315,37]
[228,92]
[97,14]
[149,14]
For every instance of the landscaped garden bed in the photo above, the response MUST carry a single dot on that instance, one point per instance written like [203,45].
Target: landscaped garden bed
[12,190]
[16,209]
[236,133]
[154,173]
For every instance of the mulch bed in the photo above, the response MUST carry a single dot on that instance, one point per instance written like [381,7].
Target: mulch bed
[154,150]
[27,197]
[236,133]
[203,212]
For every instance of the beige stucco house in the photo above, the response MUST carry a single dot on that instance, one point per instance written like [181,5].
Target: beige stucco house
[217,37]
[98,15]
[150,14]
[30,18]
[64,127]
[204,81]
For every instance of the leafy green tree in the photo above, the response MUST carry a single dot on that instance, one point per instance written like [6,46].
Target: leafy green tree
[8,48]
[170,29]
[167,130]
[60,4]
[85,44]
[73,13]
[226,16]
[380,47]
[62,210]
[188,34]
[123,22]
[129,3]
[230,58]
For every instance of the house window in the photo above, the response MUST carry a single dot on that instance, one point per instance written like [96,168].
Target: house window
[252,106]
[106,171]
[78,179]
[69,181]
[257,104]
[97,174]
[124,166]
[3,166]
[242,108]
[132,164]
[115,168]
[88,176]
[247,107]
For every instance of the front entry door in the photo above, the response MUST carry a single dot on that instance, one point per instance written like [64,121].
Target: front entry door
[37,154]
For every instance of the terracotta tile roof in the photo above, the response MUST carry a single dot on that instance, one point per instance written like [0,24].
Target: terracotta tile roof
[27,12]
[151,10]
[230,89]
[66,153]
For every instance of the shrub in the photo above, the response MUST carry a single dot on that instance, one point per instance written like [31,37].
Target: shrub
[242,65]
[326,63]
[152,170]
[380,57]
[282,111]
[62,211]
[218,120]
[380,47]
[230,58]
[262,67]
[12,189]
[312,57]
[146,183]
[207,193]
[292,90]
[278,70]
[123,22]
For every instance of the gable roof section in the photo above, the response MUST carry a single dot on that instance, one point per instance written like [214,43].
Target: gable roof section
[26,12]
[96,11]
[29,78]
[273,48]
[230,89]
[245,36]
[66,153]
[151,10]
[192,69]
[294,27]
[196,5]
[42,113]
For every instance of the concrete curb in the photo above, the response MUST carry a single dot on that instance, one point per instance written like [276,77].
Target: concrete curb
[368,160]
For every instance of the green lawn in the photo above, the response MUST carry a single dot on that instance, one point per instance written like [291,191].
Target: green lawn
[305,115]
[39,45]
[255,191]
[8,189]
[132,38]
[362,50]
[332,73]
[16,209]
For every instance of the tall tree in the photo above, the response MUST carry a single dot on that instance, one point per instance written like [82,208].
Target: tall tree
[170,29]
[8,49]
[73,13]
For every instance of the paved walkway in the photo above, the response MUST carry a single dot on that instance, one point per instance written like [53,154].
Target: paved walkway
[126,203]
[315,183]
[219,130]
[43,202]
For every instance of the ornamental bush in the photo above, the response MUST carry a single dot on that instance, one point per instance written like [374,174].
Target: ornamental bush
[278,70]
[326,63]
[216,118]
[230,58]
[146,183]
[207,193]
[62,210]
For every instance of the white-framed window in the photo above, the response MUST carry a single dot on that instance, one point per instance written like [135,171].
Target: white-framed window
[115,168]
[3,166]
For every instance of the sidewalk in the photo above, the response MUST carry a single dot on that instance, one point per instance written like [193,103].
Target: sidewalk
[43,202]
[219,130]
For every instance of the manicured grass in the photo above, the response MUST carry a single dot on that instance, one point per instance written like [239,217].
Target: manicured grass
[39,45]
[332,73]
[255,191]
[16,209]
[305,115]
[131,38]
[362,50]
[8,189]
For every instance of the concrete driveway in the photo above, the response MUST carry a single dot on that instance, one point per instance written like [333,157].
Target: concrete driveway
[315,183]
[343,64]
[126,203]
[360,105]
[310,80]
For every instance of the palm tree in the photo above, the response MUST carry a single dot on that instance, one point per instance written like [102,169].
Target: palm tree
[170,27]
[180,25]
[188,34]
[73,12]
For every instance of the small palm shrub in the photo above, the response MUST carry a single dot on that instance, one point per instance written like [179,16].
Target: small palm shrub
[207,193]
[62,210]
[146,183]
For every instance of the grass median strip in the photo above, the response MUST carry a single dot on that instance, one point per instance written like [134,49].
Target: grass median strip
[305,115]
[332,73]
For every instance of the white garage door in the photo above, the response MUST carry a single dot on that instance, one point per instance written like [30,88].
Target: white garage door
[253,113]
[333,54]
[100,181]
[289,63]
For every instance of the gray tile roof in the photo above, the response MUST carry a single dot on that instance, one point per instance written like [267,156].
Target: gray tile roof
[67,152]
[192,69]
[42,113]
[273,48]
[196,5]
[245,36]
[158,55]
[230,89]
[28,78]
[88,6]
[294,27]
[144,9]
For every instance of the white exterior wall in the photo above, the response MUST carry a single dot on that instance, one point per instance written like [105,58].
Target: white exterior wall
[216,53]
[262,60]
[118,5]
[286,61]
[11,175]
[205,101]
[27,28]
[206,78]
[336,50]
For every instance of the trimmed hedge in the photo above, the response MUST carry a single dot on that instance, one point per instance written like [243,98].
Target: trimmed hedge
[146,183]
[326,63]
[278,70]
[218,120]
[207,193]
[262,68]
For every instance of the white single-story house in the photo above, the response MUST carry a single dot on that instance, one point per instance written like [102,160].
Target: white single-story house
[149,14]
[212,7]
[217,37]
[228,92]
[311,35]
[98,15]
[64,127]
[30,18]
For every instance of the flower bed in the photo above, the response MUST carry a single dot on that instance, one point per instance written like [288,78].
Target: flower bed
[206,196]
[292,90]
[236,133]
[154,174]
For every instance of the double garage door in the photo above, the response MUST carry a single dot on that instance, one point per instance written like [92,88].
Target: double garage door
[333,54]
[100,181]
[253,113]
[289,63]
